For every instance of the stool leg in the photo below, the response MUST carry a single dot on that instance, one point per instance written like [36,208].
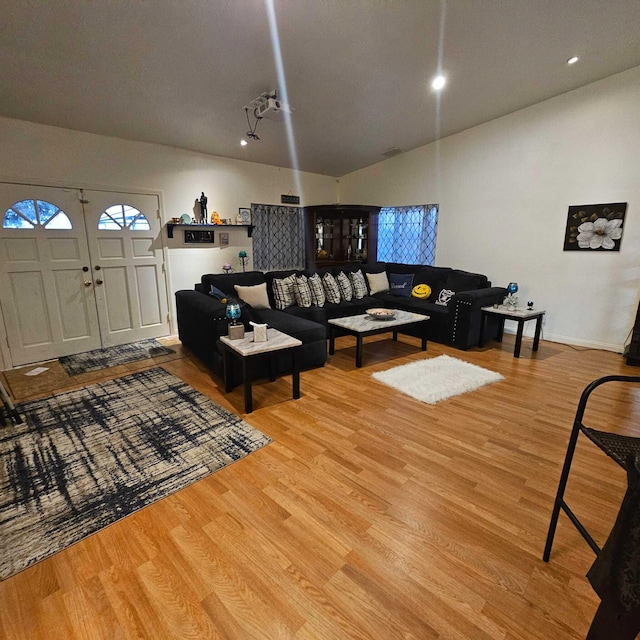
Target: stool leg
[562,485]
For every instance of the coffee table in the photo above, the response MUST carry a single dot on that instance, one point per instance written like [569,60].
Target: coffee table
[248,350]
[520,316]
[364,325]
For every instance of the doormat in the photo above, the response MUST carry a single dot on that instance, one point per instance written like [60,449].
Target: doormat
[84,459]
[437,378]
[113,356]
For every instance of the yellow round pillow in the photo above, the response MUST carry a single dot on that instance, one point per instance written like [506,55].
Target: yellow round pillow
[421,291]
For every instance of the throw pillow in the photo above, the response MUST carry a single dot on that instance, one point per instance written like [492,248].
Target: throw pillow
[255,295]
[359,285]
[400,284]
[445,296]
[378,282]
[346,291]
[422,291]
[218,294]
[302,291]
[283,292]
[317,290]
[331,288]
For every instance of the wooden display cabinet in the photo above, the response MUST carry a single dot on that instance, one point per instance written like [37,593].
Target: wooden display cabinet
[340,234]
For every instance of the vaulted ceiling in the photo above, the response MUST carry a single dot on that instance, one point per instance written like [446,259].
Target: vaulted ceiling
[357,72]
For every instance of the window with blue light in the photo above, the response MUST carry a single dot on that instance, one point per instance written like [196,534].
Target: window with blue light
[408,234]
[29,214]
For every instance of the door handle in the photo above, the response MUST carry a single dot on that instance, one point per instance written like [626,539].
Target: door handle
[98,281]
[87,284]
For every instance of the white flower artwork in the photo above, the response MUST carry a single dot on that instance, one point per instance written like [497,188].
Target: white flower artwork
[601,233]
[595,227]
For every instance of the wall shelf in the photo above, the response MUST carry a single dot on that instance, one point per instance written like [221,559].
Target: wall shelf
[206,227]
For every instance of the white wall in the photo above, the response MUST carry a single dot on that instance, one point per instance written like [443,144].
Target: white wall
[41,154]
[504,188]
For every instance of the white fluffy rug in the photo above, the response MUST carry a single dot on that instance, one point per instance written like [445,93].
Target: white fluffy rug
[437,378]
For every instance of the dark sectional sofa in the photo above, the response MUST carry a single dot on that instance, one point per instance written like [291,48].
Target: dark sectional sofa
[201,316]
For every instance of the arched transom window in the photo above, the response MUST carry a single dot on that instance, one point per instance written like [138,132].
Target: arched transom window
[122,216]
[29,214]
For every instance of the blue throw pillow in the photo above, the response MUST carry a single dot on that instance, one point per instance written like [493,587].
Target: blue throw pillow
[217,294]
[400,284]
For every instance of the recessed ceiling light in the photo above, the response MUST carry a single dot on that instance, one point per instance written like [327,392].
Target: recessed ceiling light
[243,143]
[572,60]
[438,82]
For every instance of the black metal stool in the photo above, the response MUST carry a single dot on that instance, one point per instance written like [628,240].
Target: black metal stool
[619,448]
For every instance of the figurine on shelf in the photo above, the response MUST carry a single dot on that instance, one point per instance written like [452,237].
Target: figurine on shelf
[203,209]
[215,218]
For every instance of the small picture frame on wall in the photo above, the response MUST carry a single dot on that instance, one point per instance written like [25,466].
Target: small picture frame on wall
[244,216]
[224,239]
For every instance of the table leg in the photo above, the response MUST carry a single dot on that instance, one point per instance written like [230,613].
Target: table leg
[516,351]
[536,338]
[332,340]
[295,373]
[226,355]
[11,409]
[358,351]
[483,328]
[500,330]
[424,336]
[246,375]
[395,335]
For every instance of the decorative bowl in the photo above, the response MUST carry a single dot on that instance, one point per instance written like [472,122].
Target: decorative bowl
[381,314]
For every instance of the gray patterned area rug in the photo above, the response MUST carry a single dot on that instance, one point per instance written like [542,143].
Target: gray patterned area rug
[113,356]
[86,458]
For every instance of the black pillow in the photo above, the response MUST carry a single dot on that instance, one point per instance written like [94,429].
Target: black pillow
[400,284]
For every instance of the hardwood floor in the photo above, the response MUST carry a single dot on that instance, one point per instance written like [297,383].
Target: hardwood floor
[371,515]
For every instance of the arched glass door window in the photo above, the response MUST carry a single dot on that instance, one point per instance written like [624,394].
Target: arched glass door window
[29,214]
[122,216]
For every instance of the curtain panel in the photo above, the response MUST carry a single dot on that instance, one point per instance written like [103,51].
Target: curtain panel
[278,237]
[408,234]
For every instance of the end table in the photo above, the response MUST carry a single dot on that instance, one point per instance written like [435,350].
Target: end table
[520,316]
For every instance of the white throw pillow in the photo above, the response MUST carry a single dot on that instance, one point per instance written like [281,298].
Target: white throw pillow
[255,295]
[378,282]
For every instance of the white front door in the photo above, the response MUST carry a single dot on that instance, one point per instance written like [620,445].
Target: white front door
[79,270]
[124,231]
[46,290]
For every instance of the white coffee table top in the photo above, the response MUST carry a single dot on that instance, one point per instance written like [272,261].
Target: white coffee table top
[276,340]
[364,322]
[517,312]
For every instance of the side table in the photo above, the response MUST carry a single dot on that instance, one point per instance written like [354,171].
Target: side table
[520,316]
[247,350]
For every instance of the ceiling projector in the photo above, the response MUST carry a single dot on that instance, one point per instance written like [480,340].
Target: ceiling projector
[272,108]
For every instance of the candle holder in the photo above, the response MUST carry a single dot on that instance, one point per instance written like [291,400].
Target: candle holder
[244,258]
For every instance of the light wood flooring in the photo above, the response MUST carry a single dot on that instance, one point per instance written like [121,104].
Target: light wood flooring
[371,515]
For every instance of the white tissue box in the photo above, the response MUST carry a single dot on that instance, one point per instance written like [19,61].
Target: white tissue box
[259,332]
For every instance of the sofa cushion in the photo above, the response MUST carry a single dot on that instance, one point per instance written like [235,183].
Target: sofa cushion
[378,282]
[283,294]
[435,277]
[317,290]
[444,297]
[331,288]
[344,284]
[302,291]
[254,295]
[226,281]
[295,326]
[358,283]
[400,284]
[465,281]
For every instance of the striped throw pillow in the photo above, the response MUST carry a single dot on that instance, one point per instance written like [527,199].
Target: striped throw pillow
[331,289]
[317,290]
[359,285]
[283,291]
[302,291]
[346,291]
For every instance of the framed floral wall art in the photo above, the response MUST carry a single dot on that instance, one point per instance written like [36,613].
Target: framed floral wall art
[595,227]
